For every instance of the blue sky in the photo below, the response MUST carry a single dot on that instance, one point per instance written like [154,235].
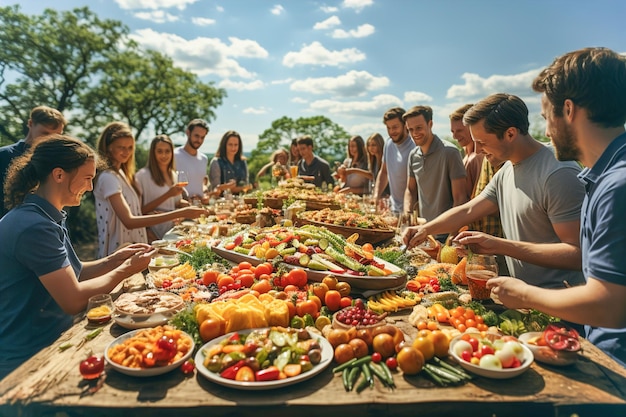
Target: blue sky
[350,60]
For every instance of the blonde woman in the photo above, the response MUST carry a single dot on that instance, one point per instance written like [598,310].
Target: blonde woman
[118,208]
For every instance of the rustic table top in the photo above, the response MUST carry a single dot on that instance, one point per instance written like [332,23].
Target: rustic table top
[49,384]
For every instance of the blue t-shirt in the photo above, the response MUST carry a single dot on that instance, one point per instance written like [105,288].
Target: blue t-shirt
[34,243]
[603,234]
[319,168]
[7,155]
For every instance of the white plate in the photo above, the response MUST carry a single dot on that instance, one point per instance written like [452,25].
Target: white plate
[504,373]
[327,357]
[546,354]
[143,372]
[133,323]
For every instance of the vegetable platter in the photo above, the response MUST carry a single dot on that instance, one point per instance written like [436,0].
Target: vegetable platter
[373,236]
[318,251]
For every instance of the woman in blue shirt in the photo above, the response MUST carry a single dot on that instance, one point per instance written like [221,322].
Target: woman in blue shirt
[42,281]
[228,170]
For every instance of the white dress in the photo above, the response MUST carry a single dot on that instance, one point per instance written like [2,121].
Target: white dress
[111,231]
[150,191]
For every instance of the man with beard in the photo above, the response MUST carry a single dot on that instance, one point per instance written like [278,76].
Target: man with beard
[436,173]
[584,104]
[538,199]
[393,171]
[193,162]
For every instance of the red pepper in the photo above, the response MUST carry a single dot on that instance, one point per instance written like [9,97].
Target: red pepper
[231,371]
[337,271]
[238,240]
[234,338]
[269,374]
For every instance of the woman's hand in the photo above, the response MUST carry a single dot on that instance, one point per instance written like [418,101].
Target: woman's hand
[119,256]
[193,212]
[139,261]
[176,190]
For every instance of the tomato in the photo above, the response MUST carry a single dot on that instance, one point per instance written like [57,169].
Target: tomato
[345,302]
[92,367]
[224,280]
[264,268]
[320,289]
[210,328]
[317,301]
[290,288]
[188,367]
[392,363]
[330,281]
[561,337]
[244,265]
[292,309]
[332,300]
[269,374]
[297,277]
[246,280]
[230,246]
[244,374]
[210,276]
[376,357]
[344,288]
[486,350]
[262,286]
[474,342]
[367,247]
[306,307]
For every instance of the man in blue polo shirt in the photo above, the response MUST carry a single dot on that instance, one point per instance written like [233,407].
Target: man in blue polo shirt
[311,167]
[43,121]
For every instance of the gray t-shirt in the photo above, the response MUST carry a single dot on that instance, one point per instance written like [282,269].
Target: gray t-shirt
[531,196]
[397,158]
[434,173]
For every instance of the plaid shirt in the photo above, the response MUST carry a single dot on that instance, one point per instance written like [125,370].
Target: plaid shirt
[489,224]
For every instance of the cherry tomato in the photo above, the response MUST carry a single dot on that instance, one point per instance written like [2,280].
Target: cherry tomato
[561,337]
[297,277]
[376,357]
[92,367]
[188,367]
[264,268]
[392,363]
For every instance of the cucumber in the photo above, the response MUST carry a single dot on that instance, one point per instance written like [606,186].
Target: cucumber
[316,265]
[295,243]
[287,251]
[311,242]
[304,259]
[241,250]
[281,246]
[323,243]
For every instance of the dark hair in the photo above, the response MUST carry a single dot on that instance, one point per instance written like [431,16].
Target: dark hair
[27,171]
[380,142]
[221,150]
[415,111]
[47,116]
[500,112]
[112,132]
[153,165]
[361,152]
[393,113]
[305,140]
[197,123]
[460,112]
[593,78]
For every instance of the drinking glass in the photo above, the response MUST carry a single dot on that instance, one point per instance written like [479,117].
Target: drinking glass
[99,309]
[404,221]
[183,180]
[294,171]
[479,269]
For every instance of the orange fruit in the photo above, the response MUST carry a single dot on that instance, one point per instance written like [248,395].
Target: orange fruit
[424,345]
[410,360]
[441,343]
[211,328]
[383,344]
[343,353]
[337,337]
[359,347]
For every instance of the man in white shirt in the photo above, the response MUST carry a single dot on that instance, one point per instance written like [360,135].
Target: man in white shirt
[187,158]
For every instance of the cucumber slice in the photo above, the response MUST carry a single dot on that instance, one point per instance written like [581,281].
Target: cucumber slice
[318,266]
[311,242]
[304,259]
[323,243]
[281,246]
[287,251]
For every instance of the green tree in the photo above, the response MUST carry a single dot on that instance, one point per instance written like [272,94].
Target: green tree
[329,138]
[51,59]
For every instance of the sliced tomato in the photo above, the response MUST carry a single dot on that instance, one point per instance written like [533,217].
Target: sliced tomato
[561,337]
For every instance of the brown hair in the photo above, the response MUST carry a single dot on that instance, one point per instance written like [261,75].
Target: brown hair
[361,153]
[28,171]
[499,112]
[305,140]
[153,165]
[415,111]
[112,132]
[593,78]
[460,112]
[393,113]
[221,150]
[47,116]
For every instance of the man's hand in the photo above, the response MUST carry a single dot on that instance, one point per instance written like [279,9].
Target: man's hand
[510,291]
[414,235]
[478,242]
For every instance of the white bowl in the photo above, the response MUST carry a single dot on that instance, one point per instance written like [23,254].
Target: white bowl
[163,261]
[144,372]
[504,373]
[546,354]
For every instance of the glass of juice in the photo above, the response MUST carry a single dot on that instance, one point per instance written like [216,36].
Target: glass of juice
[479,269]
[294,171]
[182,179]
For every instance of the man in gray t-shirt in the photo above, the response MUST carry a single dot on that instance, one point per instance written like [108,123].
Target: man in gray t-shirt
[539,200]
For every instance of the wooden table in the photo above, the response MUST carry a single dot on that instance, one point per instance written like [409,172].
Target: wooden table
[49,384]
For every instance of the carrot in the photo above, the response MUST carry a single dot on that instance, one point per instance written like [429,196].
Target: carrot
[232,348]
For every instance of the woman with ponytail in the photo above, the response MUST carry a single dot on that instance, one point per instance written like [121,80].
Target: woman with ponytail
[42,281]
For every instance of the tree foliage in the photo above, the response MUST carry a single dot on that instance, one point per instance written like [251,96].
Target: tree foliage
[330,139]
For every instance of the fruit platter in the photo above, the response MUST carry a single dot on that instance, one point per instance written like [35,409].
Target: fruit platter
[318,251]
[370,227]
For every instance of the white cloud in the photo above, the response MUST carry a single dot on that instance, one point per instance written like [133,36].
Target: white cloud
[252,110]
[277,10]
[367,129]
[351,84]
[317,54]
[375,107]
[156,16]
[202,21]
[328,23]
[416,97]
[154,4]
[203,56]
[219,8]
[279,82]
[299,100]
[357,5]
[477,87]
[241,86]
[360,32]
[329,9]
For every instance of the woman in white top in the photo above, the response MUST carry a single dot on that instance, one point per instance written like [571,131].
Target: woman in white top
[157,184]
[354,173]
[118,209]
